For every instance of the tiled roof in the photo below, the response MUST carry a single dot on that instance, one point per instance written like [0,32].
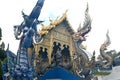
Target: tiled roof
[53,24]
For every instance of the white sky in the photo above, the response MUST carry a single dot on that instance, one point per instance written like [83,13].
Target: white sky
[105,15]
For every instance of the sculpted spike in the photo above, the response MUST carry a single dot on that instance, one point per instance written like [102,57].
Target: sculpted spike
[87,18]
[79,28]
[87,23]
[87,8]
[50,19]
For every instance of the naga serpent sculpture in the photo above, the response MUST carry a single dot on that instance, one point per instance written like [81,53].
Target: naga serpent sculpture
[82,65]
[103,48]
[27,31]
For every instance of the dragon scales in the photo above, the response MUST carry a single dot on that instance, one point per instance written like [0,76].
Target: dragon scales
[81,61]
[103,48]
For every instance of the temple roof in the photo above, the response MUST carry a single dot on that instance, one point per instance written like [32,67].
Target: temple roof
[53,24]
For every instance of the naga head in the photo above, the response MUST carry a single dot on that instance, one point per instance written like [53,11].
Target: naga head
[106,43]
[81,32]
[87,23]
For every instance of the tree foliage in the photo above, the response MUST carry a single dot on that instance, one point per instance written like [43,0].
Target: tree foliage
[2,54]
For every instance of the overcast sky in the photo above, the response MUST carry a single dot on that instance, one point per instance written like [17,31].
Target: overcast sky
[105,15]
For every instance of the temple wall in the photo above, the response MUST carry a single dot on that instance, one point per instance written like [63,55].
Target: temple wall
[60,35]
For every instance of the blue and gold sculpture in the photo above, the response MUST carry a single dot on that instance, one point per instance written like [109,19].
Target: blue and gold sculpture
[26,32]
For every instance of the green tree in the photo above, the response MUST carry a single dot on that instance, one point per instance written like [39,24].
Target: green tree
[2,54]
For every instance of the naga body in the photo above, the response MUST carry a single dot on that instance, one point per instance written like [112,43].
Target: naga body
[27,30]
[103,48]
[82,64]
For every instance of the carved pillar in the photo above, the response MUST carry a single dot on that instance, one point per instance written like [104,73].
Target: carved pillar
[51,46]
[36,52]
[30,52]
[71,48]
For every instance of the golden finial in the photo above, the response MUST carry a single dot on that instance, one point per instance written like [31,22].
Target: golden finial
[50,19]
